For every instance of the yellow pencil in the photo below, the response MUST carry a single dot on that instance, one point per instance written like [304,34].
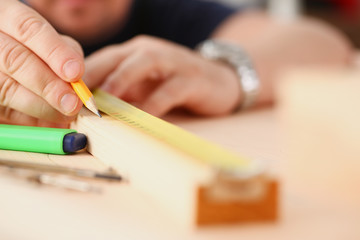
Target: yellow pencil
[85,95]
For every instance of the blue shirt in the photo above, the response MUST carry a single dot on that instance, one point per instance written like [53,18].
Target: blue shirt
[187,22]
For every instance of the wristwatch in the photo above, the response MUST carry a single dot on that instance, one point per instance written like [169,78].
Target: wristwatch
[235,57]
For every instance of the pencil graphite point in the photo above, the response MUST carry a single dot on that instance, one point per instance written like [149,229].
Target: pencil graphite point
[85,95]
[92,107]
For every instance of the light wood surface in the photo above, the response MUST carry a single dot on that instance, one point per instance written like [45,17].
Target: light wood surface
[121,212]
[321,119]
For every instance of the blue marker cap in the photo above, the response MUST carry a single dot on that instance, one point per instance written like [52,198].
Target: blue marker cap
[74,142]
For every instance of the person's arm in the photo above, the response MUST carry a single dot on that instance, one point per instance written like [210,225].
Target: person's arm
[159,75]
[35,65]
[275,46]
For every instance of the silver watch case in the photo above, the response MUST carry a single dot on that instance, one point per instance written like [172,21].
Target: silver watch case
[235,57]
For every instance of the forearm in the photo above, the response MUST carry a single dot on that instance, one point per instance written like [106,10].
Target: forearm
[275,46]
[159,75]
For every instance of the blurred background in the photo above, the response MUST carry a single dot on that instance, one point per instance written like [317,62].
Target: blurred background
[343,14]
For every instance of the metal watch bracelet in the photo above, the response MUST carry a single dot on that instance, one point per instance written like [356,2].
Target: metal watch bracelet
[236,58]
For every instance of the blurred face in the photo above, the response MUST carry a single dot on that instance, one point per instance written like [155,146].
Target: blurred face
[88,21]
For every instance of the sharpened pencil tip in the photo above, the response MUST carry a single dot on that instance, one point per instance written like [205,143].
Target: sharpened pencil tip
[92,107]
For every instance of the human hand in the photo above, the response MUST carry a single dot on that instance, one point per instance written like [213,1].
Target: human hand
[35,65]
[158,76]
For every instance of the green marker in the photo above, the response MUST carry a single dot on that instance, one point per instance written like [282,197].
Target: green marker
[41,140]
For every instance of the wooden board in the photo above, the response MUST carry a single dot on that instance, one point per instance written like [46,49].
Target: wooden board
[175,180]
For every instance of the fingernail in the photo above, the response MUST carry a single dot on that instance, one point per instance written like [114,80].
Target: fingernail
[69,102]
[72,69]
